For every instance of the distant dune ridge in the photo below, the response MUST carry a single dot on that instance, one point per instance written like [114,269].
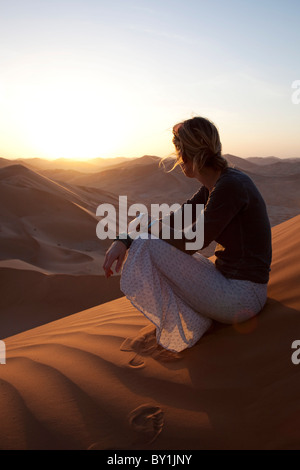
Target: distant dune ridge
[94,380]
[88,166]
[143,181]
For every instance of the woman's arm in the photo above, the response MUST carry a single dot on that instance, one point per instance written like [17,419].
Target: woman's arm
[225,201]
[200,197]
[116,252]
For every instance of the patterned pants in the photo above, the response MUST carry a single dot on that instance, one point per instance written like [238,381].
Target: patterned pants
[182,294]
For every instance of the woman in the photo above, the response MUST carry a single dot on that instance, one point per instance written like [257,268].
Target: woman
[181,291]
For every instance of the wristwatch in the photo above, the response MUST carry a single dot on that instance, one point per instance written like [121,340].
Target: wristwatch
[124,238]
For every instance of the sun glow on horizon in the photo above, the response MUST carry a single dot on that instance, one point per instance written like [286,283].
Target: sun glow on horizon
[73,118]
[85,79]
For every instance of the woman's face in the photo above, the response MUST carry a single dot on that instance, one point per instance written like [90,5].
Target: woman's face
[187,169]
[186,166]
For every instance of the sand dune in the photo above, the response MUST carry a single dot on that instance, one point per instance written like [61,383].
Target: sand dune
[48,225]
[86,166]
[50,257]
[45,224]
[30,298]
[142,180]
[272,159]
[281,168]
[94,380]
[268,166]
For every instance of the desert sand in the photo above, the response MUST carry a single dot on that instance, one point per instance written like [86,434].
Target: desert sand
[50,257]
[96,379]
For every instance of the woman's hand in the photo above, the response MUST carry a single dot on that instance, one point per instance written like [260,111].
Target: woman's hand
[116,252]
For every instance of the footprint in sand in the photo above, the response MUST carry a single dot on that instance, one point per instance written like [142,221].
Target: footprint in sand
[137,362]
[145,344]
[147,420]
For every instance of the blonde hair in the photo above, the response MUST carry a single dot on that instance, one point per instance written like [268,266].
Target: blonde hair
[198,140]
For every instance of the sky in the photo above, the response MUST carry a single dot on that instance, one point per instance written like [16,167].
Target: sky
[83,79]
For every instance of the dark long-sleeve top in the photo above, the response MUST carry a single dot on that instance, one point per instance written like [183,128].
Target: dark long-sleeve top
[235,216]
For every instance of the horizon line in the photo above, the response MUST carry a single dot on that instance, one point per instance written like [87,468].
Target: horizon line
[75,160]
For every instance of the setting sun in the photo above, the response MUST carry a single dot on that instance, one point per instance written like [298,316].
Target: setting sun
[72,118]
[110,79]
